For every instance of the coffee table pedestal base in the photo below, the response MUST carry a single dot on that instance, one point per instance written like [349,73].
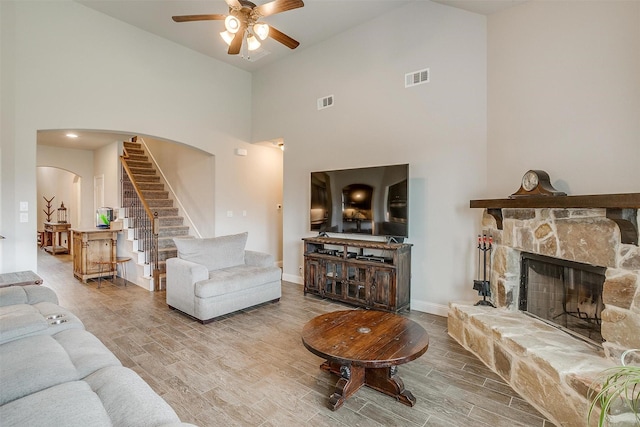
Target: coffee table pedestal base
[385,380]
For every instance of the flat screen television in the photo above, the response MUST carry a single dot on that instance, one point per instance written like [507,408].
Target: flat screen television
[372,201]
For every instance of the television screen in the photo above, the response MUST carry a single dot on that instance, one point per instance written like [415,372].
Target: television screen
[371,200]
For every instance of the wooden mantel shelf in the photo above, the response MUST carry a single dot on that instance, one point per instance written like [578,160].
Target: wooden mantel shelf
[609,201]
[621,208]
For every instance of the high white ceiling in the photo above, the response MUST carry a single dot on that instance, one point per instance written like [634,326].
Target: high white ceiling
[318,20]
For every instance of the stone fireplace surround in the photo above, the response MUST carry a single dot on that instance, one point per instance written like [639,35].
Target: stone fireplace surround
[548,367]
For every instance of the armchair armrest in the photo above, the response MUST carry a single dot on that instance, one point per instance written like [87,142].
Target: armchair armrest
[181,278]
[258,259]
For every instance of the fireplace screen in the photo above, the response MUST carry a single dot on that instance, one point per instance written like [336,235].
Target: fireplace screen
[564,293]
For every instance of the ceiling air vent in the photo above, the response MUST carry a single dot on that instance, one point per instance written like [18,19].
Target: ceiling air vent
[325,102]
[416,78]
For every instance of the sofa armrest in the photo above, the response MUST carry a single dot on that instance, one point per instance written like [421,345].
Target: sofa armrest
[181,279]
[258,259]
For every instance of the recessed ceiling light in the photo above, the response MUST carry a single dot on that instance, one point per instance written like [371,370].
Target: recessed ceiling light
[72,135]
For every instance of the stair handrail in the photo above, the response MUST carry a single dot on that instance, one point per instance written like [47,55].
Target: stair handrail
[147,209]
[168,184]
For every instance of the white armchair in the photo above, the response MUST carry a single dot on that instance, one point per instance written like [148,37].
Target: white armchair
[216,276]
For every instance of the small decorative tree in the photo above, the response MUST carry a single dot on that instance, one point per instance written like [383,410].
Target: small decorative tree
[49,211]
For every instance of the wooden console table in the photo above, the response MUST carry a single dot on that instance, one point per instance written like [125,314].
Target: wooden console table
[92,250]
[359,272]
[52,239]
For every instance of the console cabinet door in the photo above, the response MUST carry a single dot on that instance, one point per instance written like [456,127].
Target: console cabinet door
[313,276]
[333,285]
[356,284]
[382,288]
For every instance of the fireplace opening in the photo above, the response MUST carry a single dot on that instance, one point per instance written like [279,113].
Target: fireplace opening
[565,294]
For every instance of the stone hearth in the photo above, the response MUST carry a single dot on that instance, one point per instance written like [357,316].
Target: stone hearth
[548,367]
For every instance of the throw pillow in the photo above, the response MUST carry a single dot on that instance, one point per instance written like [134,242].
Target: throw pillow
[213,252]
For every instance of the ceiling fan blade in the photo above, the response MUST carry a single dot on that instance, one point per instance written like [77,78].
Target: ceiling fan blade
[278,6]
[235,4]
[281,37]
[189,18]
[236,43]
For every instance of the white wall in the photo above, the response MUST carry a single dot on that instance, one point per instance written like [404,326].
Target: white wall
[191,174]
[59,184]
[438,128]
[78,68]
[564,96]
[106,164]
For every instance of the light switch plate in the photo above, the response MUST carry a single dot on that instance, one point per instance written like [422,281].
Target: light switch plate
[24,206]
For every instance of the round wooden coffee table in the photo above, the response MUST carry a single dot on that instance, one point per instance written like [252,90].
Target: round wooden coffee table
[364,347]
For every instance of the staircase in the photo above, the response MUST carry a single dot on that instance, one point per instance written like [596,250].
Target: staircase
[151,220]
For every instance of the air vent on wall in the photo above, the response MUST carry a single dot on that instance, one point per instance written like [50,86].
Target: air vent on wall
[325,102]
[416,78]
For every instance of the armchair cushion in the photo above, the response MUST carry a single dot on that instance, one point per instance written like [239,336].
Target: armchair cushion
[214,252]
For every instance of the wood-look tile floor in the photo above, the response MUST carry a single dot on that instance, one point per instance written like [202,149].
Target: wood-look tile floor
[251,369]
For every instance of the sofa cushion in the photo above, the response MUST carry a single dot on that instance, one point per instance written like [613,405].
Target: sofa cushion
[44,318]
[128,399]
[28,294]
[68,404]
[233,279]
[213,252]
[32,364]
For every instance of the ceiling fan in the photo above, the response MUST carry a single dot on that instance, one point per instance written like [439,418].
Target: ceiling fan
[243,23]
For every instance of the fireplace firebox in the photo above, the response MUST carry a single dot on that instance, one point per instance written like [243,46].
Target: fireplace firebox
[563,293]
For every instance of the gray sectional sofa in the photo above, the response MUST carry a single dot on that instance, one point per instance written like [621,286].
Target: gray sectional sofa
[215,276]
[55,373]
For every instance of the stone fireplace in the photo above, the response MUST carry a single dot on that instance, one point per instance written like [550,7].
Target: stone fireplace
[548,366]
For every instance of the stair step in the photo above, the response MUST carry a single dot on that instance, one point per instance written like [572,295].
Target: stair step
[168,221]
[173,231]
[145,164]
[154,194]
[142,171]
[159,203]
[129,144]
[134,152]
[136,156]
[150,186]
[166,242]
[163,211]
[165,254]
[146,178]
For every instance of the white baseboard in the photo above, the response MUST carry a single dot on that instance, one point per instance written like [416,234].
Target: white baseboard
[294,279]
[429,307]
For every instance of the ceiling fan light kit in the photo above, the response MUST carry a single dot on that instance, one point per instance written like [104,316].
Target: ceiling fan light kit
[243,23]
[261,30]
[252,42]
[232,24]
